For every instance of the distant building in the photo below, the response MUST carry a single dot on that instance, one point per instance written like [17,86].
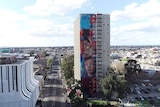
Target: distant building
[18,88]
[91,49]
[5,50]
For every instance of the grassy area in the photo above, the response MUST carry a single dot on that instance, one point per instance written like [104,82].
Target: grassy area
[98,102]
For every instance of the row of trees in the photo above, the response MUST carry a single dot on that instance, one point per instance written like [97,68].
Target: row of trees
[67,65]
[74,86]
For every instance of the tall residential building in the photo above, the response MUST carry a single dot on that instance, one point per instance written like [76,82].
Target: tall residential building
[18,88]
[91,50]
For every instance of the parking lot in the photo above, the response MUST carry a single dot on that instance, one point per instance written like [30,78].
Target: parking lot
[144,92]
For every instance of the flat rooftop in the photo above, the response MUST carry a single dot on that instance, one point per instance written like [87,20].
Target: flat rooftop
[15,63]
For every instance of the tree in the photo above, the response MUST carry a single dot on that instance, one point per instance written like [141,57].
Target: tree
[120,67]
[67,67]
[75,94]
[44,54]
[75,86]
[113,85]
[31,53]
[131,68]
[49,62]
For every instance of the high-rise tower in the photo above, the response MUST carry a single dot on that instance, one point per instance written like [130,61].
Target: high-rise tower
[91,50]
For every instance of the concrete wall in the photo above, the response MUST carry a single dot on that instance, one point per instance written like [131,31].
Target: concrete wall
[18,88]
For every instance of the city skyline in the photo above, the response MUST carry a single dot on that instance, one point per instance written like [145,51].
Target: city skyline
[36,23]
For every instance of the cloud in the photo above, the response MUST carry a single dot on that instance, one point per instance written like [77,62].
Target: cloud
[23,30]
[147,26]
[135,38]
[137,24]
[10,23]
[49,7]
[6,15]
[135,11]
[49,28]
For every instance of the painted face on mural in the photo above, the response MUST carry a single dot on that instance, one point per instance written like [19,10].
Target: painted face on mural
[86,46]
[89,67]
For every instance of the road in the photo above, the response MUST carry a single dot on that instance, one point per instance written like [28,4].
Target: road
[53,92]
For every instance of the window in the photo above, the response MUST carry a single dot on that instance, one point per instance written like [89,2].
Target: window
[7,76]
[15,78]
[1,79]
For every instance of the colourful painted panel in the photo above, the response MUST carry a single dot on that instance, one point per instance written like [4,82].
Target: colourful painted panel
[88,53]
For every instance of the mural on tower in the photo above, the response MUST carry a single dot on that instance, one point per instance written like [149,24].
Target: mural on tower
[88,53]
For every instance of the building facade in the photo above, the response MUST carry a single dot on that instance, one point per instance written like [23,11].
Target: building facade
[91,50]
[18,88]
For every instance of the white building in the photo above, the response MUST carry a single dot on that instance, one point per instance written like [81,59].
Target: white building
[18,88]
[98,34]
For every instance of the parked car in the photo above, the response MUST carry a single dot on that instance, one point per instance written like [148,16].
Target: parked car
[157,97]
[139,98]
[146,91]
[136,92]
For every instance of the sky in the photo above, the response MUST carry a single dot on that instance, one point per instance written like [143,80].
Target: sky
[49,23]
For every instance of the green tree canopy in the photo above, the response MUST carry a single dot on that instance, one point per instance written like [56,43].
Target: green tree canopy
[131,67]
[67,67]
[113,85]
[49,62]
